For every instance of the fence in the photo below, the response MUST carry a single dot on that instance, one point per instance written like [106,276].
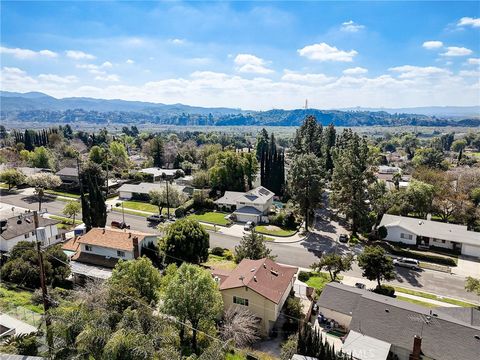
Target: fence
[22,314]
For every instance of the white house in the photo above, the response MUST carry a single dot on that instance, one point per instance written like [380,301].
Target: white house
[159,173]
[104,247]
[128,191]
[413,231]
[248,206]
[22,228]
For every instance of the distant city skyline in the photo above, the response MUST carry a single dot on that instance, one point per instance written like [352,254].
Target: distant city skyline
[249,55]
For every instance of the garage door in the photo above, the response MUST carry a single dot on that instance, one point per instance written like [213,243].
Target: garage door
[245,218]
[471,250]
[125,195]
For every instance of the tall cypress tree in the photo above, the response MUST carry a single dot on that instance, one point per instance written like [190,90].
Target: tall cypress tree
[94,210]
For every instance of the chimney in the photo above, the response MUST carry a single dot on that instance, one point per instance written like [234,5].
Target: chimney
[417,348]
[136,250]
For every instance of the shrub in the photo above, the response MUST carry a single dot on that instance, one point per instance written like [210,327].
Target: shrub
[304,276]
[385,290]
[397,250]
[179,212]
[382,232]
[228,254]
[217,251]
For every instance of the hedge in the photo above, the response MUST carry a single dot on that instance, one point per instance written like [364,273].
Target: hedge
[185,208]
[395,250]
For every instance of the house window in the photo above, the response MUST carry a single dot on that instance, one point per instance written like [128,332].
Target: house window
[406,236]
[120,253]
[240,301]
[26,236]
[88,248]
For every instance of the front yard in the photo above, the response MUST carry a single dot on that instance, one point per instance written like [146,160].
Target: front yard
[220,262]
[211,217]
[274,230]
[13,297]
[62,193]
[141,206]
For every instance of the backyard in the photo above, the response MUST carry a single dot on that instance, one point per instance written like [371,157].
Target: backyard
[12,298]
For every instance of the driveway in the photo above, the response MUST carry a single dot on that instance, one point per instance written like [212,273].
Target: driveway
[467,266]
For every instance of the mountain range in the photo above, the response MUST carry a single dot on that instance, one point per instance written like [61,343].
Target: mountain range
[40,107]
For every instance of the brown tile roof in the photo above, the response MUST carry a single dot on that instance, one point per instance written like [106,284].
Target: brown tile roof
[263,276]
[112,238]
[94,259]
[222,274]
[70,245]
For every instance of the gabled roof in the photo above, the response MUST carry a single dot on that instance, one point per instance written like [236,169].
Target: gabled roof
[433,229]
[229,198]
[68,171]
[158,171]
[259,195]
[250,210]
[364,347]
[445,335]
[263,276]
[112,238]
[23,224]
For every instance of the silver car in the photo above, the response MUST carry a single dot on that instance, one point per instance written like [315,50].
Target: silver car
[408,263]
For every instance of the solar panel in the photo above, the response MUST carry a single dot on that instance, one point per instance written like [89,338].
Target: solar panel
[264,191]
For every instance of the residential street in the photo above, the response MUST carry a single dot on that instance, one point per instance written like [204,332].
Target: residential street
[301,254]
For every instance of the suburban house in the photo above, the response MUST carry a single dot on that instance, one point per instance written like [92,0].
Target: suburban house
[142,190]
[27,171]
[413,231]
[387,173]
[262,286]
[69,175]
[104,247]
[158,174]
[252,205]
[384,325]
[22,228]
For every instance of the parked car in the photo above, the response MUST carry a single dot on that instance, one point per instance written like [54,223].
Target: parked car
[156,218]
[408,263]
[248,226]
[360,285]
[119,225]
[343,238]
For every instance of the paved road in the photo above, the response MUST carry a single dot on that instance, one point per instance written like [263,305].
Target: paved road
[301,254]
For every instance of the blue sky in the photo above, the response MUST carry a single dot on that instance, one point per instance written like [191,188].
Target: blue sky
[253,55]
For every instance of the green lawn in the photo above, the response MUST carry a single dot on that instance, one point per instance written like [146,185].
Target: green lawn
[3,186]
[65,220]
[209,227]
[131,212]
[434,297]
[220,262]
[61,193]
[415,301]
[211,217]
[9,298]
[143,206]
[319,280]
[274,230]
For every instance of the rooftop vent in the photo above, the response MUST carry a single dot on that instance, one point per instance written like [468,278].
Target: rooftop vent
[273,272]
[255,278]
[252,269]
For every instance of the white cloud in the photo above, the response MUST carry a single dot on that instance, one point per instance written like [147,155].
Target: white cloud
[111,77]
[79,55]
[474,61]
[432,44]
[457,51]
[248,63]
[355,71]
[470,73]
[58,79]
[27,53]
[351,26]
[177,41]
[107,64]
[130,62]
[468,21]
[410,71]
[296,77]
[325,52]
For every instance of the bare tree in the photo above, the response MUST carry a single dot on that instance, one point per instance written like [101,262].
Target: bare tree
[240,326]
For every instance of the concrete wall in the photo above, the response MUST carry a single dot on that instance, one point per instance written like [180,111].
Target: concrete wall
[52,232]
[342,319]
[394,234]
[263,308]
[471,250]
[103,251]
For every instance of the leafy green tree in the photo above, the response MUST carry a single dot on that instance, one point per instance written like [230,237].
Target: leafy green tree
[157,151]
[472,285]
[305,184]
[252,246]
[72,209]
[22,267]
[192,295]
[228,171]
[376,265]
[42,182]
[41,158]
[94,209]
[429,157]
[159,198]
[250,168]
[118,154]
[185,240]
[12,177]
[138,277]
[459,145]
[201,179]
[308,138]
[334,264]
[97,154]
[350,179]
[328,144]
[420,197]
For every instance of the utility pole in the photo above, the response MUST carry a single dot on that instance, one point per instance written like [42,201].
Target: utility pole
[46,303]
[106,152]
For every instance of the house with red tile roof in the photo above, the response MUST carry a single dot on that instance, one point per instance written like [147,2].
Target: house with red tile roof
[261,285]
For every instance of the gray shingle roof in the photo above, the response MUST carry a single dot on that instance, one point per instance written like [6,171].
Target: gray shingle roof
[248,210]
[26,225]
[68,171]
[145,188]
[433,229]
[445,335]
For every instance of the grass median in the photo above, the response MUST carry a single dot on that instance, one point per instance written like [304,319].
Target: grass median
[433,297]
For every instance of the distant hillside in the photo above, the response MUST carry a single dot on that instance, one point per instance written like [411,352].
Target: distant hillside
[439,111]
[39,107]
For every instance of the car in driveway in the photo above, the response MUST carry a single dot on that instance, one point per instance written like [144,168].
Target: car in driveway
[408,263]
[248,226]
[119,225]
[343,238]
[156,218]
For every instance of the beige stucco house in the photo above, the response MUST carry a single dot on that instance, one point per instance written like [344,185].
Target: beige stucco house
[261,285]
